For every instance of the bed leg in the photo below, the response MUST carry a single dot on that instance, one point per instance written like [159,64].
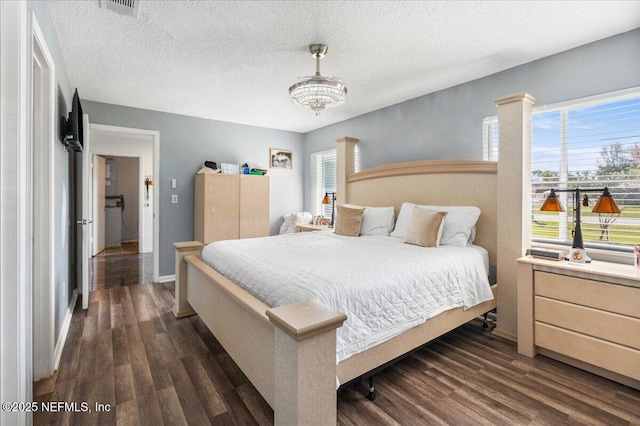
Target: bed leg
[305,363]
[371,396]
[181,308]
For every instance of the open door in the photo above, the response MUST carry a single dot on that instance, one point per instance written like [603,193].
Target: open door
[86,214]
[99,166]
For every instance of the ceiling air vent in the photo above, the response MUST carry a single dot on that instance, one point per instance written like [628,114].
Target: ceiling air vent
[125,7]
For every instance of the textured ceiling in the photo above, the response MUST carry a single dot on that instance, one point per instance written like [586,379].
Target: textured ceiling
[235,60]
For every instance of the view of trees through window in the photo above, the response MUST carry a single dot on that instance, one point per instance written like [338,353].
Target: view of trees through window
[588,146]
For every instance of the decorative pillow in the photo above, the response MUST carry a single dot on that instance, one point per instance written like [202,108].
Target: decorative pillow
[425,227]
[348,221]
[376,220]
[457,227]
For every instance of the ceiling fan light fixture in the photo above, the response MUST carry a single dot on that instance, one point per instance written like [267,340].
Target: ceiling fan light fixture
[318,92]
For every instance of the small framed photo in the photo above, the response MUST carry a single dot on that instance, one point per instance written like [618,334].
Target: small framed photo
[281,158]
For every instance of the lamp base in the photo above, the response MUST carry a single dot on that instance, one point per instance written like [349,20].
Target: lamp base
[578,256]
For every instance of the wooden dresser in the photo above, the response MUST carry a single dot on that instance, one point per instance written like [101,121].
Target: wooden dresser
[585,315]
[228,207]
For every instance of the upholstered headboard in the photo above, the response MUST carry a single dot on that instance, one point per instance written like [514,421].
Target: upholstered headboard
[433,182]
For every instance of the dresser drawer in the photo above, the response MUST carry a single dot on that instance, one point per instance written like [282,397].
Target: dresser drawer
[605,325]
[607,355]
[595,294]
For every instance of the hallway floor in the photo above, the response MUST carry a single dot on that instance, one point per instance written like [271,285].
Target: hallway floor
[111,269]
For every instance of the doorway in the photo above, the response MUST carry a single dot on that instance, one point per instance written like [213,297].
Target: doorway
[118,255]
[125,231]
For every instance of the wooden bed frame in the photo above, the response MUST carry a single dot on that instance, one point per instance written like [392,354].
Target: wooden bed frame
[289,352]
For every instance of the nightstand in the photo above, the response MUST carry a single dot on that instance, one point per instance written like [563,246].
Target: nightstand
[310,228]
[584,315]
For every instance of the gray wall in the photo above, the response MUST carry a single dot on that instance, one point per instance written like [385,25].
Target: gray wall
[447,124]
[63,278]
[185,143]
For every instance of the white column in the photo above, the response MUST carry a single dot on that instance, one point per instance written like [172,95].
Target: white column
[513,200]
[346,164]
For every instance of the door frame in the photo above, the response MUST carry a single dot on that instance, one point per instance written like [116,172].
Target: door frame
[95,210]
[42,130]
[155,137]
[15,244]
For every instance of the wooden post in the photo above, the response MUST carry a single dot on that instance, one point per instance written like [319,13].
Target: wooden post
[345,165]
[526,331]
[182,308]
[514,202]
[305,363]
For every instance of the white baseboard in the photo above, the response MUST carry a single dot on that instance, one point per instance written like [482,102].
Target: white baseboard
[166,278]
[62,337]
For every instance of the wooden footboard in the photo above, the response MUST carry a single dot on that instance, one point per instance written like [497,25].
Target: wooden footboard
[288,353]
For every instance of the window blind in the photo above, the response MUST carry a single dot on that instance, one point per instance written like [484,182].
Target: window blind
[323,176]
[589,144]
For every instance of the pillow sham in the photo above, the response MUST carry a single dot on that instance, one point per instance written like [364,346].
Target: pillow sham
[376,220]
[291,220]
[348,221]
[406,210]
[457,226]
[425,227]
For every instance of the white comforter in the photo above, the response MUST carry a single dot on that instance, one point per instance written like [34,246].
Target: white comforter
[383,285]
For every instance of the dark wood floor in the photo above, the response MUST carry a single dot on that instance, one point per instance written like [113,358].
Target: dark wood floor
[121,266]
[127,350]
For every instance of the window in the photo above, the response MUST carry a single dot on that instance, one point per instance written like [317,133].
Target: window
[323,177]
[323,180]
[588,144]
[490,139]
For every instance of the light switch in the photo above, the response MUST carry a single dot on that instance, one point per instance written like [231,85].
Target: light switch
[174,184]
[174,199]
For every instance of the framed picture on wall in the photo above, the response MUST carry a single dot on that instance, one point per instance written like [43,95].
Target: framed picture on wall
[281,158]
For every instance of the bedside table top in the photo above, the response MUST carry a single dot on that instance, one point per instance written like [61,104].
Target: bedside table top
[602,271]
[310,227]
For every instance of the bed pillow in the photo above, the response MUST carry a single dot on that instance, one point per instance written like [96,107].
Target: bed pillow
[425,227]
[348,221]
[403,220]
[291,221]
[459,224]
[376,220]
[457,228]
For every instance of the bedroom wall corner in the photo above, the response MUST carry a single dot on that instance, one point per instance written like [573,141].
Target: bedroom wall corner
[513,201]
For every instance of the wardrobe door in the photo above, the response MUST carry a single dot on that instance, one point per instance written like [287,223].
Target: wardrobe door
[217,208]
[254,206]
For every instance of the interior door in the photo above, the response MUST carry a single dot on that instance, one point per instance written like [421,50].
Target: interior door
[86,213]
[99,165]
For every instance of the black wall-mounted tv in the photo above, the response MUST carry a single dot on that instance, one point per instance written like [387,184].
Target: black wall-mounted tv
[72,127]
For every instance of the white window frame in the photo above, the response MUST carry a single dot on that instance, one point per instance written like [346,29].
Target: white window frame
[489,146]
[318,191]
[318,187]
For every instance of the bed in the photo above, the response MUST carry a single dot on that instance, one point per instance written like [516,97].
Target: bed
[294,346]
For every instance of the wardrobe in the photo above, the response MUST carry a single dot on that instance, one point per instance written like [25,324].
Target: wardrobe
[228,207]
